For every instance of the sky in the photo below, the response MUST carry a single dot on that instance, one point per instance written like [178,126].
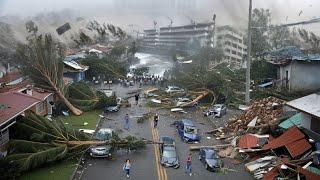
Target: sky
[141,13]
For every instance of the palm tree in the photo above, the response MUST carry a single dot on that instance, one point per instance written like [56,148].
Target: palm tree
[41,60]
[41,141]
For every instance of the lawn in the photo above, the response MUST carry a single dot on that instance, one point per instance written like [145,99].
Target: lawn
[77,122]
[64,169]
[60,171]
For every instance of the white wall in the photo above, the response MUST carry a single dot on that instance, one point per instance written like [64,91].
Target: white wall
[305,120]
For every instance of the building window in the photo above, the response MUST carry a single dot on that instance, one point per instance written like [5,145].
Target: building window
[4,137]
[234,52]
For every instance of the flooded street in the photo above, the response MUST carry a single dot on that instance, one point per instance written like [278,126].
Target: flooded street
[157,63]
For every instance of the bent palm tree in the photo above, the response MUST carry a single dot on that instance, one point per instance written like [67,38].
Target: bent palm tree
[42,63]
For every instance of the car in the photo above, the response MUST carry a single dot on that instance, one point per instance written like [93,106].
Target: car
[111,108]
[187,131]
[102,134]
[185,101]
[210,158]
[168,153]
[173,89]
[218,110]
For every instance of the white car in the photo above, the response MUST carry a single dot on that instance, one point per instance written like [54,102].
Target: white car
[173,89]
[184,101]
[101,150]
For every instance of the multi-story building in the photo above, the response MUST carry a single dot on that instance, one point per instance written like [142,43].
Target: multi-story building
[233,45]
[179,37]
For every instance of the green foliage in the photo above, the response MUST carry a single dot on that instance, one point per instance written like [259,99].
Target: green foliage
[41,62]
[106,68]
[141,71]
[260,70]
[260,20]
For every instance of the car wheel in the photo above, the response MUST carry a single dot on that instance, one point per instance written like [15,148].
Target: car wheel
[207,167]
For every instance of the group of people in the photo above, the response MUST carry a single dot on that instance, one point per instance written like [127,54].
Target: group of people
[127,166]
[143,80]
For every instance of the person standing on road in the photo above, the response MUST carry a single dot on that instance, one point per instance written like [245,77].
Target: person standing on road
[189,164]
[137,98]
[126,122]
[126,167]
[155,120]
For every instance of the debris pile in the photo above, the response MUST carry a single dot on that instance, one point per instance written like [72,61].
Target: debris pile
[259,117]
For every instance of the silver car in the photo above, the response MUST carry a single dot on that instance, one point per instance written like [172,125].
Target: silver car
[173,89]
[102,150]
[218,110]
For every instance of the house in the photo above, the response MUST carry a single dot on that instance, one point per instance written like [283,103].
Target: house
[297,71]
[74,70]
[14,104]
[12,81]
[309,106]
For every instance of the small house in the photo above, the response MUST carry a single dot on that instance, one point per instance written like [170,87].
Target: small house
[309,106]
[74,70]
[297,71]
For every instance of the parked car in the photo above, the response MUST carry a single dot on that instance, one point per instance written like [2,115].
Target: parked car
[210,158]
[173,89]
[218,110]
[187,131]
[102,134]
[168,153]
[111,108]
[184,101]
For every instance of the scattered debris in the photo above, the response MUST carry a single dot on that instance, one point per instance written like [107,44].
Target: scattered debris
[64,28]
[180,110]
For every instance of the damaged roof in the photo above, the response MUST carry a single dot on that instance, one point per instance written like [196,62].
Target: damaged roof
[76,66]
[248,141]
[291,53]
[294,141]
[308,104]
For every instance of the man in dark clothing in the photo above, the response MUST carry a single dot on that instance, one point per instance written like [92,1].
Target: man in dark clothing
[155,120]
[136,98]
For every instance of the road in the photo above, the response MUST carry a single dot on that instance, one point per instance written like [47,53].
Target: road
[145,162]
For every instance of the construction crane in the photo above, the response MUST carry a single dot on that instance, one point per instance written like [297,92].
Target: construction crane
[171,21]
[192,21]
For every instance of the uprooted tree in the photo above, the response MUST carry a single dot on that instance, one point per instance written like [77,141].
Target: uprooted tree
[41,60]
[40,141]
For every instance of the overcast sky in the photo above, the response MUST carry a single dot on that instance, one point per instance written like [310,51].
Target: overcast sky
[142,12]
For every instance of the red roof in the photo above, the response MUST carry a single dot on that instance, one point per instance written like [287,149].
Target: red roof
[248,141]
[298,147]
[13,104]
[291,135]
[10,77]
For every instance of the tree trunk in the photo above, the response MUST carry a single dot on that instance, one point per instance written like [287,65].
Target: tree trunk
[94,142]
[73,109]
[204,94]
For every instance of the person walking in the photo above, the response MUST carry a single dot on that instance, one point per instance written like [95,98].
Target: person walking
[126,122]
[137,98]
[126,167]
[189,164]
[155,120]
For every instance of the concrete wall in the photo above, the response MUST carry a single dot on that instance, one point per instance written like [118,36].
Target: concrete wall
[302,76]
[305,121]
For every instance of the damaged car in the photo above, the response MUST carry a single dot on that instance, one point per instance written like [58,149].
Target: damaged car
[218,110]
[168,153]
[103,134]
[187,131]
[210,158]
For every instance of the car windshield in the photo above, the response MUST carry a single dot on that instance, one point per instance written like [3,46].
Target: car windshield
[169,153]
[190,130]
[102,135]
[211,155]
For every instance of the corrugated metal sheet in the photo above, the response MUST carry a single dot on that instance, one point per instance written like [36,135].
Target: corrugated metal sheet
[291,135]
[248,141]
[297,148]
[294,120]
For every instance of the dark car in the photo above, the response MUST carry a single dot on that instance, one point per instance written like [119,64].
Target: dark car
[168,153]
[101,150]
[187,131]
[218,110]
[209,157]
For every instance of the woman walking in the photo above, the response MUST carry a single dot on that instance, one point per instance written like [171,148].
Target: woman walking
[126,167]
[189,165]
[126,122]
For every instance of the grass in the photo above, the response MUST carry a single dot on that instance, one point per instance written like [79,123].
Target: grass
[60,171]
[64,169]
[77,122]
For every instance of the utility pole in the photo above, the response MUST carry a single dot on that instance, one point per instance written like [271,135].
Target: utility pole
[248,81]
